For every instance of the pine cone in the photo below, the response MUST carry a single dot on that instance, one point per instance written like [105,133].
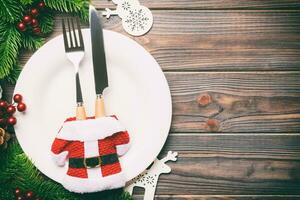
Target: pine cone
[4,137]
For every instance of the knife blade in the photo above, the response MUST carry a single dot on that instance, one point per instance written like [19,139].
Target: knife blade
[99,61]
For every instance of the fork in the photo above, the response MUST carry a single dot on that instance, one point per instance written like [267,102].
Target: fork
[74,48]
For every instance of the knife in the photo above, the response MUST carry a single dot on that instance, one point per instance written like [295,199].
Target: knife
[99,61]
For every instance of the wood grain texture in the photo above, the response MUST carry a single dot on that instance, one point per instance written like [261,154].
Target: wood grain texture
[232,67]
[202,40]
[221,197]
[262,147]
[250,102]
[240,102]
[208,4]
[8,90]
[224,40]
[232,164]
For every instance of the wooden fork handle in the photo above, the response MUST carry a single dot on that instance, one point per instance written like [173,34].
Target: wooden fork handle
[99,107]
[80,112]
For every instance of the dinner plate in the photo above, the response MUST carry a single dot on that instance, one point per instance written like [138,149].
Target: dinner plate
[138,95]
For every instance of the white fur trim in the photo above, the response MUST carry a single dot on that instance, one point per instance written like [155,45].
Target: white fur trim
[91,149]
[60,159]
[122,149]
[86,185]
[90,129]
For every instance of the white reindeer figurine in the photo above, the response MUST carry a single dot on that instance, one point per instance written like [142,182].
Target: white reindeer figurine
[148,179]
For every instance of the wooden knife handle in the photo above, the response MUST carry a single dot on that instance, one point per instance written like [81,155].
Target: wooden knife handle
[99,107]
[80,112]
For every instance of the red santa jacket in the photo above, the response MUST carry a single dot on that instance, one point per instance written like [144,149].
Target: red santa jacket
[92,147]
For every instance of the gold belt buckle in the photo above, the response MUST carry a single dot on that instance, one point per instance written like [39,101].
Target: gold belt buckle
[99,161]
[88,167]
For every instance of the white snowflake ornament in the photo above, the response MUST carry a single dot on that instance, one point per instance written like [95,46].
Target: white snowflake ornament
[124,6]
[137,20]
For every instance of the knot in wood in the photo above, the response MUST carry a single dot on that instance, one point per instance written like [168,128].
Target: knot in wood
[213,125]
[204,99]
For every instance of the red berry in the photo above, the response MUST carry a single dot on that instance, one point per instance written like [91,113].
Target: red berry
[11,109]
[17,191]
[29,194]
[34,12]
[21,26]
[37,30]
[41,5]
[3,104]
[37,198]
[18,98]
[21,107]
[27,19]
[11,121]
[34,22]
[19,198]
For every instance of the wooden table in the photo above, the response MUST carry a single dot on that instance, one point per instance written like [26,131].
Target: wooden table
[233,71]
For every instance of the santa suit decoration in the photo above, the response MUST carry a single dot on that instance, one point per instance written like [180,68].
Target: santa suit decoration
[93,147]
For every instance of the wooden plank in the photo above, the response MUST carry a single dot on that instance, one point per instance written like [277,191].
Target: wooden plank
[232,165]
[208,4]
[240,102]
[235,102]
[219,40]
[221,197]
[8,90]
[224,40]
[232,146]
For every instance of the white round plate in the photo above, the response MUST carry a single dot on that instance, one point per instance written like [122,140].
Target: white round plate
[138,94]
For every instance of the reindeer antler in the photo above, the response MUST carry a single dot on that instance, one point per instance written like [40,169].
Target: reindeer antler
[108,12]
[170,156]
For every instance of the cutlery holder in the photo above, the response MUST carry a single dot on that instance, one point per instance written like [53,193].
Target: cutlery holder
[92,147]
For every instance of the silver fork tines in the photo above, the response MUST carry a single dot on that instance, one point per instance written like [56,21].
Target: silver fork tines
[74,48]
[71,41]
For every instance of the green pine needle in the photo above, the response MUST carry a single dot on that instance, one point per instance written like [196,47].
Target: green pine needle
[13,75]
[70,6]
[84,11]
[31,42]
[65,5]
[16,170]
[46,23]
[10,11]
[26,2]
[10,41]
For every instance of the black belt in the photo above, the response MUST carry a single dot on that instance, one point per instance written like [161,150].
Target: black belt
[93,162]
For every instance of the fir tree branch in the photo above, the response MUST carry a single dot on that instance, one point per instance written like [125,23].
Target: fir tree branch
[46,22]
[70,6]
[26,2]
[84,11]
[16,170]
[65,5]
[10,11]
[31,42]
[10,41]
[13,75]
